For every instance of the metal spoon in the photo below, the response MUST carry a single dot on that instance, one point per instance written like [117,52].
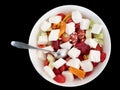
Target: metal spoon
[22,45]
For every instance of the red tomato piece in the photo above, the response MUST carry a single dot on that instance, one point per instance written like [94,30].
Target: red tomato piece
[83,47]
[99,48]
[62,68]
[62,15]
[56,45]
[41,45]
[46,62]
[56,71]
[59,78]
[88,74]
[69,20]
[102,56]
[94,64]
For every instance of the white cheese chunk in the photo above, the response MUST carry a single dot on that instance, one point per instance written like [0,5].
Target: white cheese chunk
[58,63]
[70,28]
[63,53]
[66,45]
[76,16]
[43,39]
[53,36]
[94,56]
[86,65]
[68,76]
[49,71]
[91,42]
[96,28]
[50,48]
[74,63]
[74,52]
[84,25]
[45,26]
[55,19]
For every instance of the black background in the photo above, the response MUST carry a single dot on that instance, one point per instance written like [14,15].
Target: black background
[18,20]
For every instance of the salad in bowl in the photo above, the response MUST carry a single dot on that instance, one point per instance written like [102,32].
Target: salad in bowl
[80,35]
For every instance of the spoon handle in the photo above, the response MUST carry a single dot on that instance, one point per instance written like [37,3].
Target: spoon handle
[22,45]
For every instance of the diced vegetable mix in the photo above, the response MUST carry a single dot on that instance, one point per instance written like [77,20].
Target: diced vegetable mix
[81,37]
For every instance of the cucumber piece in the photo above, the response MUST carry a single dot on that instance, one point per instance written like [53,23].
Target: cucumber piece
[42,33]
[100,41]
[88,34]
[91,24]
[99,36]
[50,58]
[51,65]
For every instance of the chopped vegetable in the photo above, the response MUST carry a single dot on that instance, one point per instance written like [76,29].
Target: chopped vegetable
[100,35]
[56,45]
[50,57]
[62,28]
[102,56]
[59,78]
[78,72]
[83,47]
[46,62]
[66,17]
[62,15]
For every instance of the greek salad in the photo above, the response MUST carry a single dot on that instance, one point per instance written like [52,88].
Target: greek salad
[79,37]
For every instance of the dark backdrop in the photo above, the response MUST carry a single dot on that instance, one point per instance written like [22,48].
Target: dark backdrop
[18,20]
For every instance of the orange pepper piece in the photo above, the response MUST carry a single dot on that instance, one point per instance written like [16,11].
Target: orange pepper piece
[62,28]
[66,17]
[79,73]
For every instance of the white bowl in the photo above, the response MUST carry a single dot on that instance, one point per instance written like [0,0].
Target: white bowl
[38,64]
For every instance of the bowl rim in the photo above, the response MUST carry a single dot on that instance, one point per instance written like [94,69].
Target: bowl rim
[33,42]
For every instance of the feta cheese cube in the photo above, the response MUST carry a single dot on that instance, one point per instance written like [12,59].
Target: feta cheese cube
[74,52]
[84,25]
[53,36]
[62,51]
[76,16]
[58,63]
[43,39]
[66,45]
[70,28]
[91,42]
[96,28]
[68,76]
[45,26]
[94,56]
[74,63]
[49,71]
[55,19]
[86,65]
[50,48]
